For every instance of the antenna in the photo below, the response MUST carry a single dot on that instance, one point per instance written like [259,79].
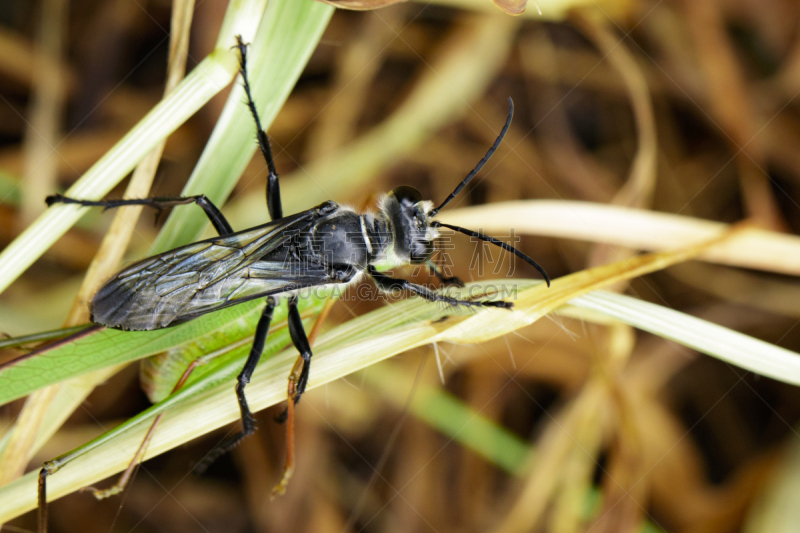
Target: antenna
[496,242]
[482,162]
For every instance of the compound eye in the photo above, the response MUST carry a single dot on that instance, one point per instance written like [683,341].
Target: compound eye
[406,195]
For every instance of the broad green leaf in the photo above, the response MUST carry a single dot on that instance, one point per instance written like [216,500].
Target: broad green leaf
[109,347]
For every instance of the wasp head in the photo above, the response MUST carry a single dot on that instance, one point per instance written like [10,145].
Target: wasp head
[413,233]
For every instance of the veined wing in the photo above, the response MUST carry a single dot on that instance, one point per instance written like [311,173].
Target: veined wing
[181,284]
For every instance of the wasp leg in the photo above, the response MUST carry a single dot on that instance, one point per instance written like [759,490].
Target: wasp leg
[281,418]
[300,341]
[388,283]
[248,422]
[273,185]
[157,202]
[446,280]
[298,380]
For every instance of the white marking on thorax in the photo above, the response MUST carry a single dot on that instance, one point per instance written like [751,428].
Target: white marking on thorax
[366,235]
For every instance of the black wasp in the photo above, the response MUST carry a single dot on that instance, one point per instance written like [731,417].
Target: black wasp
[327,244]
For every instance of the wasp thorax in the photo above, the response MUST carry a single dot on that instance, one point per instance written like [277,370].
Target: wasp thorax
[413,234]
[337,239]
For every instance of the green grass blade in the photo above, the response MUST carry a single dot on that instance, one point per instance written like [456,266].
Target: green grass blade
[43,336]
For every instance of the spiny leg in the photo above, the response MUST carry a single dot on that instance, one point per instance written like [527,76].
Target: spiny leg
[388,283]
[157,202]
[248,422]
[298,380]
[273,184]
[312,336]
[300,341]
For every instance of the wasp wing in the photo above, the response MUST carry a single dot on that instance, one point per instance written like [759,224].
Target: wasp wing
[181,284]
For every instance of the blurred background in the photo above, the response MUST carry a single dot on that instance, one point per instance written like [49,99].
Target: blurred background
[677,106]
